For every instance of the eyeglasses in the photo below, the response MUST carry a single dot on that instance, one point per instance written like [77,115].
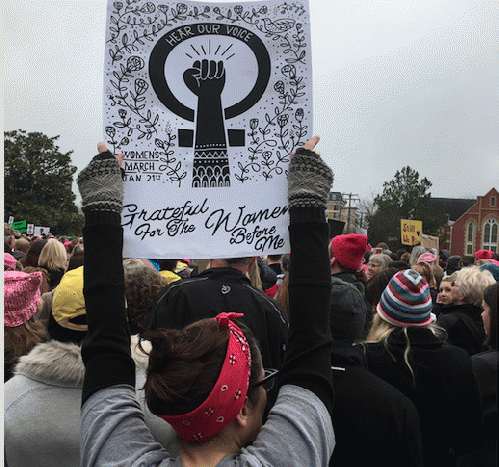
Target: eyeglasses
[268,380]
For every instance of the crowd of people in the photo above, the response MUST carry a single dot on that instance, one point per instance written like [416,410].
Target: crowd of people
[335,354]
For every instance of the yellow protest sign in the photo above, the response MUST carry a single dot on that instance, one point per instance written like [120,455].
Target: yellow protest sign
[410,231]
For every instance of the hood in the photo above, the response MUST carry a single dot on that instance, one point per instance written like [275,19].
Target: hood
[60,364]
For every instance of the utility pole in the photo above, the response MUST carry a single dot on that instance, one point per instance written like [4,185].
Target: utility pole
[350,199]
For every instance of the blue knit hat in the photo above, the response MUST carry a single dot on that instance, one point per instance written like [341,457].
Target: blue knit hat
[492,268]
[406,300]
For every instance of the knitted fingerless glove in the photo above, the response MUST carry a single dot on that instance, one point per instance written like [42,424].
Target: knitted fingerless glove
[309,180]
[101,185]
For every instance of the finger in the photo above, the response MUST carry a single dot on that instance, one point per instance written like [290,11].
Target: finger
[213,69]
[204,69]
[119,158]
[197,64]
[101,147]
[220,69]
[310,144]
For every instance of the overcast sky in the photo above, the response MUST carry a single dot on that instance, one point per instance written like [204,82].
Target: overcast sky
[396,82]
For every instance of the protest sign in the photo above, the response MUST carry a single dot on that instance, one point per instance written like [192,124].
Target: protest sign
[206,101]
[20,226]
[410,231]
[39,231]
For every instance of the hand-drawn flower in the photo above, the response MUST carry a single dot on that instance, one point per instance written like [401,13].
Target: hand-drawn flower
[289,71]
[124,141]
[216,10]
[279,87]
[122,113]
[163,8]
[282,120]
[140,86]
[149,7]
[181,8]
[263,10]
[118,5]
[299,115]
[134,63]
[253,123]
[206,9]
[238,9]
[110,131]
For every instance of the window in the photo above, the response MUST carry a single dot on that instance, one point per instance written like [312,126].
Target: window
[492,201]
[470,230]
[490,234]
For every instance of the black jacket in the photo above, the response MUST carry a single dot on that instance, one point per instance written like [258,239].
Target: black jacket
[374,423]
[224,289]
[444,390]
[464,326]
[485,366]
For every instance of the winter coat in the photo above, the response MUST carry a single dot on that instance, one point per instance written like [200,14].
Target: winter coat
[443,389]
[464,326]
[370,412]
[224,289]
[485,366]
[42,408]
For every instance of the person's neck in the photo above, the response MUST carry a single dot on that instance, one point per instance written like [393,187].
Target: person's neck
[215,263]
[207,454]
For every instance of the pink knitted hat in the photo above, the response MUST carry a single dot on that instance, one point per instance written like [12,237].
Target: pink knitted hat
[484,254]
[428,257]
[9,261]
[21,296]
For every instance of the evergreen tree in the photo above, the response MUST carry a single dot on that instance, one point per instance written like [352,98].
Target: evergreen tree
[404,197]
[37,182]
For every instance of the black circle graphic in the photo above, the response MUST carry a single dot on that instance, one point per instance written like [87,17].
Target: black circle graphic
[176,36]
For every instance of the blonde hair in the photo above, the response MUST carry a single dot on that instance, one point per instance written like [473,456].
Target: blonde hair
[53,256]
[381,330]
[254,275]
[471,283]
[450,278]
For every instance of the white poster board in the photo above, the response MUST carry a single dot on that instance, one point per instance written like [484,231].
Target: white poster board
[206,101]
[39,231]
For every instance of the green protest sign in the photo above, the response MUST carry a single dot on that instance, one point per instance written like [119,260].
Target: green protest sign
[20,226]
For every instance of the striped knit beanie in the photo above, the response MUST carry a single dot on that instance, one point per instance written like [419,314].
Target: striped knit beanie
[406,300]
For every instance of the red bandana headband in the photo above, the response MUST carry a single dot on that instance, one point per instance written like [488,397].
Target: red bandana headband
[227,396]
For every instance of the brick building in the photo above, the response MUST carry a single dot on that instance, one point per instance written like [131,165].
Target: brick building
[476,229]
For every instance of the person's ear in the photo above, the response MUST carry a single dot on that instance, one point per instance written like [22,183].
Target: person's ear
[242,418]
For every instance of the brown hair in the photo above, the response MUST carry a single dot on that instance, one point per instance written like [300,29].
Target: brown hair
[426,271]
[184,365]
[282,296]
[142,285]
[19,340]
[491,296]
[378,283]
[31,258]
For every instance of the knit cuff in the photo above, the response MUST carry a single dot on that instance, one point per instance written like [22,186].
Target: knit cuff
[309,180]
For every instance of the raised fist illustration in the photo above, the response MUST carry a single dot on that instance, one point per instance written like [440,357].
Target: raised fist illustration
[206,77]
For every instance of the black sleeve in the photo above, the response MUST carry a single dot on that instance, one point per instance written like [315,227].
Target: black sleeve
[308,361]
[106,348]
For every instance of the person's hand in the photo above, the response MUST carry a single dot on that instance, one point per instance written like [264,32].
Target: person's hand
[102,148]
[205,78]
[100,182]
[309,177]
[310,145]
